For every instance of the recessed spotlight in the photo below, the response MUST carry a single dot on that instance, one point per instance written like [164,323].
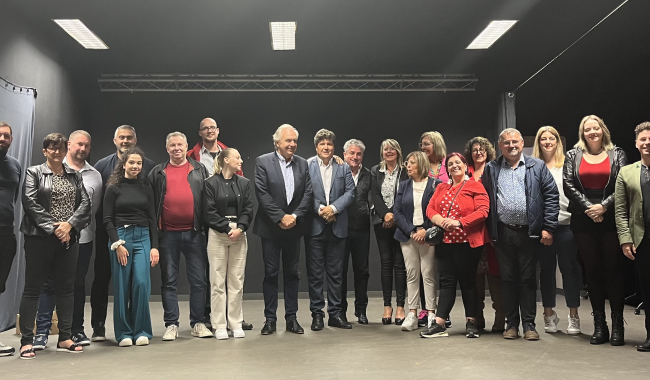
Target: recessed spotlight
[491,33]
[283,35]
[77,30]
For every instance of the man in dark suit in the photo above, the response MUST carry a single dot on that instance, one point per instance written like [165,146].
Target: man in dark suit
[283,190]
[357,245]
[333,189]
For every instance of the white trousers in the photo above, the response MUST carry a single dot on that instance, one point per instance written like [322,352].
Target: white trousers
[227,263]
[419,261]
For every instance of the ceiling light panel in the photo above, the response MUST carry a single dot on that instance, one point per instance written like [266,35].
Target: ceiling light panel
[283,35]
[493,32]
[77,30]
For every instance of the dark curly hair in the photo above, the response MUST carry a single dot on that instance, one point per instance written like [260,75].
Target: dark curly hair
[483,143]
[117,176]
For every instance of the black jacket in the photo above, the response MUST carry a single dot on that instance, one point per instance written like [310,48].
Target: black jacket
[377,178]
[359,210]
[578,202]
[158,180]
[37,193]
[215,202]
[542,196]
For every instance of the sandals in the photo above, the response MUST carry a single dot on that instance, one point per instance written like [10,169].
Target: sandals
[72,349]
[24,353]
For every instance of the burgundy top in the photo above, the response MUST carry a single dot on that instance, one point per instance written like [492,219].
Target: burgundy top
[178,206]
[594,176]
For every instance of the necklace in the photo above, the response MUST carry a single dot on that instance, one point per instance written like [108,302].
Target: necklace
[436,173]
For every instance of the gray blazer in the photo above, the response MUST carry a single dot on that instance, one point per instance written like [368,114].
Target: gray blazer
[341,196]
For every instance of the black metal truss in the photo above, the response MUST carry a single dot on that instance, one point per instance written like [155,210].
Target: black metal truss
[271,83]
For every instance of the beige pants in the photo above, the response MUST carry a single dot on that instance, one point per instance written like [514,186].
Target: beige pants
[227,263]
[419,261]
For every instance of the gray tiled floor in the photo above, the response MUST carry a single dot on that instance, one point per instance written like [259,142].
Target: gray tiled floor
[366,352]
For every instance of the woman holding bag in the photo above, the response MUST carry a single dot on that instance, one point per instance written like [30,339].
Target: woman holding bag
[460,208]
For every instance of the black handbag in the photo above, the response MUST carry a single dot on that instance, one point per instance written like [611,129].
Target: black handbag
[434,234]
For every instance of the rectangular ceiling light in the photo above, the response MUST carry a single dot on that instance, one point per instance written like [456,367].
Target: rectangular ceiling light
[283,35]
[77,30]
[493,32]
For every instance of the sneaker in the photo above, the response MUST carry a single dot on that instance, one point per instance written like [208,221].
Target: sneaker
[221,334]
[435,331]
[448,323]
[238,333]
[199,330]
[6,350]
[512,332]
[171,333]
[98,335]
[431,319]
[574,326]
[471,329]
[411,322]
[529,332]
[81,339]
[142,341]
[126,342]
[423,319]
[550,323]
[40,342]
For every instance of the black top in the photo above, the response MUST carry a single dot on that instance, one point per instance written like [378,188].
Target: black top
[645,195]
[10,172]
[130,203]
[231,207]
[217,200]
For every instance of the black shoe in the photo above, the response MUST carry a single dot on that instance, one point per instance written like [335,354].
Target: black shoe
[269,327]
[294,327]
[338,321]
[471,330]
[618,330]
[361,317]
[435,331]
[317,323]
[387,321]
[448,323]
[99,335]
[601,331]
[399,321]
[246,326]
[80,339]
[644,347]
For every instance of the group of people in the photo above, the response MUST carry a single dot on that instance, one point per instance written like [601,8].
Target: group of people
[439,219]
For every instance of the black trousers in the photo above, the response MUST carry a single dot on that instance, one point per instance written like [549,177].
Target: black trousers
[603,260]
[517,255]
[457,263]
[357,247]
[325,257]
[392,262]
[102,280]
[642,263]
[287,251]
[46,257]
[7,254]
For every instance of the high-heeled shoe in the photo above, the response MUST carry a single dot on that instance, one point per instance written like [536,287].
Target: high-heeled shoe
[389,320]
[399,321]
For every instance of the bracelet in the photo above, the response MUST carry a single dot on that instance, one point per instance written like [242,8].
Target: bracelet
[240,230]
[117,244]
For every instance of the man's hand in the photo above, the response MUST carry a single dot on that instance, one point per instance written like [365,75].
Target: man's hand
[154,256]
[547,238]
[338,159]
[326,212]
[629,250]
[287,222]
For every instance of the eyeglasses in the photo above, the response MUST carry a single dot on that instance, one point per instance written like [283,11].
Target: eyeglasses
[510,142]
[425,144]
[211,129]
[389,149]
[478,151]
[54,150]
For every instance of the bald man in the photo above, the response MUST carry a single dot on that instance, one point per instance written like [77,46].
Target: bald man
[206,150]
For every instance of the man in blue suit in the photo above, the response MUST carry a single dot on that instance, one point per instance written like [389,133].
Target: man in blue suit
[283,190]
[333,192]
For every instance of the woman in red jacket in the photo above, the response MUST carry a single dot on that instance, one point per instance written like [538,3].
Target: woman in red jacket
[460,208]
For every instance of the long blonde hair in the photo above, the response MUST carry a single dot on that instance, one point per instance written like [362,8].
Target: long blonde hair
[439,146]
[219,161]
[607,137]
[395,145]
[559,149]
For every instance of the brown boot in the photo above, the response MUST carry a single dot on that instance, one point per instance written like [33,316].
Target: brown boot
[512,332]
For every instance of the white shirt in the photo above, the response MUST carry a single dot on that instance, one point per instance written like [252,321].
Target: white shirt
[326,179]
[206,159]
[418,192]
[355,177]
[565,216]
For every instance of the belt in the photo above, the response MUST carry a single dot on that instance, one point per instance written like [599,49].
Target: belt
[231,218]
[516,227]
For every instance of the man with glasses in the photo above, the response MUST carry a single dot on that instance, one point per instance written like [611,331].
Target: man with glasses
[524,210]
[206,150]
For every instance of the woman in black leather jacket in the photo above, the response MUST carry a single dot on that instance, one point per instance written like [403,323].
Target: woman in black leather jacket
[228,211]
[589,175]
[57,208]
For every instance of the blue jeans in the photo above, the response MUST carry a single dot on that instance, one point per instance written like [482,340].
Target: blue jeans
[562,252]
[193,245]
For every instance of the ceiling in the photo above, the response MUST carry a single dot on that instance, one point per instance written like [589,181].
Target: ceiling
[346,36]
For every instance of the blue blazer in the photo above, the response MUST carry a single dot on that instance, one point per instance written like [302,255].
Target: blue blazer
[403,208]
[341,196]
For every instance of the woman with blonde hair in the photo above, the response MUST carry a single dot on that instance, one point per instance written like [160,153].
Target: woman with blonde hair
[548,147]
[385,178]
[228,211]
[433,145]
[589,176]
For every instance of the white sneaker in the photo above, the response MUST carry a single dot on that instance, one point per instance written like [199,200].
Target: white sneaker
[574,326]
[431,320]
[142,341]
[238,333]
[171,333]
[411,322]
[221,334]
[199,330]
[550,323]
[126,342]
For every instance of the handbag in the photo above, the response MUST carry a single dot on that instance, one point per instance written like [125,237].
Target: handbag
[434,234]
